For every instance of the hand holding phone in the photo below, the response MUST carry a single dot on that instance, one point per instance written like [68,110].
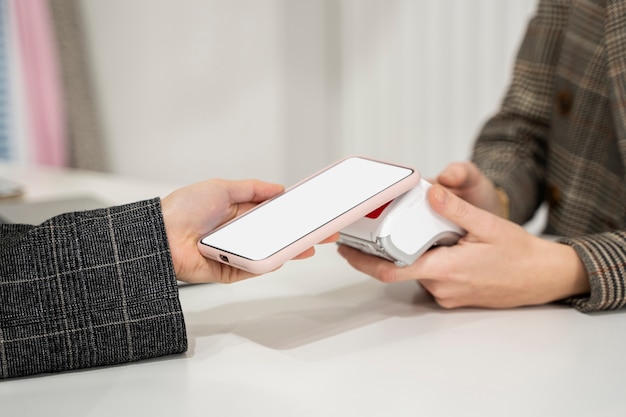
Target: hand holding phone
[279,229]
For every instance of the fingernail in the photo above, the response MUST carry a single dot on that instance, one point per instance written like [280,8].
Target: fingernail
[440,194]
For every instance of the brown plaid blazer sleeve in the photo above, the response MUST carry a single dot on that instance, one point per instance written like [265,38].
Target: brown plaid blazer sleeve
[560,137]
[87,289]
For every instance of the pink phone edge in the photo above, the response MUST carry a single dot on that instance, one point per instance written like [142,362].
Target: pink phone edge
[279,258]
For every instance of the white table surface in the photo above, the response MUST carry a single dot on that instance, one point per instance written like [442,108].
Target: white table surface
[317,338]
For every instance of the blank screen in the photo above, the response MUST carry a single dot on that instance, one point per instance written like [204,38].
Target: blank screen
[299,211]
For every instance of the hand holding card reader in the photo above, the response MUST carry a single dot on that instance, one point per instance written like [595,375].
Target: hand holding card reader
[403,229]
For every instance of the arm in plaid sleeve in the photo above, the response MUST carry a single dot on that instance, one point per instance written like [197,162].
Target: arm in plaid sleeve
[88,289]
[558,135]
[605,261]
[511,149]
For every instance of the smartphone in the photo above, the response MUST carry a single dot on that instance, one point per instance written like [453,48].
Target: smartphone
[277,230]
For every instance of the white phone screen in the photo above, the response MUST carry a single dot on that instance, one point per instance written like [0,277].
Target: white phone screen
[272,226]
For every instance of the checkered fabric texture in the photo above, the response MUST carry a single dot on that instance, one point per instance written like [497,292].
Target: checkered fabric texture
[88,289]
[560,137]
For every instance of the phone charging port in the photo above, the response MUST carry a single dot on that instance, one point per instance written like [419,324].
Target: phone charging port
[224,258]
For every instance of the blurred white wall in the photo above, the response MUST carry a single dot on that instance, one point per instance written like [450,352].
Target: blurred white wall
[276,89]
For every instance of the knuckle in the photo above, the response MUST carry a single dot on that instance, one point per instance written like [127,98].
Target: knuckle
[386,274]
[462,208]
[444,297]
[446,303]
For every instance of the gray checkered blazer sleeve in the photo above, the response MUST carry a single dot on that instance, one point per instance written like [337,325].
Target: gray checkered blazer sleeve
[559,137]
[87,289]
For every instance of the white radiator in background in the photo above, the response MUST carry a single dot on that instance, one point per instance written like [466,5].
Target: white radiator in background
[416,79]
[276,89]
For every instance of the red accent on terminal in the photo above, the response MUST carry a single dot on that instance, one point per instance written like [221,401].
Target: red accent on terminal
[376,213]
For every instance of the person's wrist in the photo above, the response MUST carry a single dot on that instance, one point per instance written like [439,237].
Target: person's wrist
[558,274]
[168,220]
[569,267]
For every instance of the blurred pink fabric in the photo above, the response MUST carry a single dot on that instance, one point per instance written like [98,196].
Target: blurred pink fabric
[43,90]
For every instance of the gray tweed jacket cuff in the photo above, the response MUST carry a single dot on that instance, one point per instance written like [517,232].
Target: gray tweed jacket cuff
[88,289]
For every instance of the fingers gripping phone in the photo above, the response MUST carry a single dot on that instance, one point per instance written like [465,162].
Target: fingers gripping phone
[279,229]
